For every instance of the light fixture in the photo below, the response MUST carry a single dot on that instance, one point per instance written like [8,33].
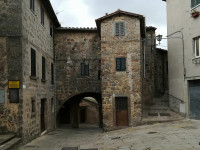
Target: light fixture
[159,38]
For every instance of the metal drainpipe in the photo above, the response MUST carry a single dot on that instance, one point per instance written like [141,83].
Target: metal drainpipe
[54,72]
[184,69]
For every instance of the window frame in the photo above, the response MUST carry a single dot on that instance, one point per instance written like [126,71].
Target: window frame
[84,69]
[121,64]
[43,68]
[196,3]
[42,15]
[33,63]
[32,5]
[195,47]
[52,73]
[118,32]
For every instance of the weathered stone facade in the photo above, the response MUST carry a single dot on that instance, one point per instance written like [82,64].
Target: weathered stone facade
[21,30]
[121,83]
[85,62]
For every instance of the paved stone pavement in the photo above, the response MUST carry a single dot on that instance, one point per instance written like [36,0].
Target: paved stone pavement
[178,135]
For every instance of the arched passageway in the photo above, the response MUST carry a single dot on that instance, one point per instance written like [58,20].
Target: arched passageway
[82,108]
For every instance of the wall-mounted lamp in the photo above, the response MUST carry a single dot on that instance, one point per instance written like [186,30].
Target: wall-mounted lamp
[159,38]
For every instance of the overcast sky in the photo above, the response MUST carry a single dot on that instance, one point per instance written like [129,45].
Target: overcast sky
[82,13]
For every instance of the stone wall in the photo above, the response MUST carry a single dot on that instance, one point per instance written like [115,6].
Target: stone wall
[149,67]
[73,47]
[37,37]
[10,60]
[126,83]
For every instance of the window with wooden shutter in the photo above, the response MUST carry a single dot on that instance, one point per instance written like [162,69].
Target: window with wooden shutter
[52,73]
[43,68]
[84,69]
[121,64]
[119,28]
[33,63]
[194,3]
[42,15]
[32,5]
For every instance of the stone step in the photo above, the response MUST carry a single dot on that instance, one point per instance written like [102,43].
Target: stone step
[5,138]
[11,145]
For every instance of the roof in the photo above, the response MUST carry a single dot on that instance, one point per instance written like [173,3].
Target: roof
[151,28]
[48,6]
[121,12]
[81,29]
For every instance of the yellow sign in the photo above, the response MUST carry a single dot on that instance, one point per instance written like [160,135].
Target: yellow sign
[13,84]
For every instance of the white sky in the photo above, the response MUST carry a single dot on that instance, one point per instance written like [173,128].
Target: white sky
[82,13]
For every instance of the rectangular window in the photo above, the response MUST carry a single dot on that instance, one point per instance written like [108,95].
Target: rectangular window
[32,5]
[194,3]
[84,69]
[51,29]
[42,15]
[52,73]
[43,68]
[52,105]
[119,28]
[121,64]
[14,95]
[197,46]
[33,63]
[2,96]
[33,105]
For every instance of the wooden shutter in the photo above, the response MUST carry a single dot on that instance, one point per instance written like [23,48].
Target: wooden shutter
[120,64]
[82,69]
[123,64]
[42,15]
[33,63]
[43,68]
[121,29]
[117,26]
[192,3]
[86,70]
[52,73]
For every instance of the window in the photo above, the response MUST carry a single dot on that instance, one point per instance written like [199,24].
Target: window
[197,46]
[33,63]
[51,29]
[52,73]
[119,28]
[52,105]
[33,106]
[194,3]
[32,5]
[121,64]
[84,69]
[43,68]
[14,95]
[42,15]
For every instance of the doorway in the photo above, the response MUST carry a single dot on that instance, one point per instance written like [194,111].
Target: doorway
[121,104]
[42,115]
[194,91]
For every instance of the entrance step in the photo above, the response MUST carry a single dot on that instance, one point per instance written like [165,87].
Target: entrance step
[11,144]
[155,115]
[5,138]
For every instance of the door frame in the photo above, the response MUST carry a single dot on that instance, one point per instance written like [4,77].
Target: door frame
[115,111]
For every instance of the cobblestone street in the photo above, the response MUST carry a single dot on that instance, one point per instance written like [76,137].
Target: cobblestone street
[179,135]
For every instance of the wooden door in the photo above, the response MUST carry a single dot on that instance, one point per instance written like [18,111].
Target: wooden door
[121,104]
[42,115]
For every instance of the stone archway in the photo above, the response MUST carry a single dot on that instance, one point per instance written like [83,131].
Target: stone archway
[69,112]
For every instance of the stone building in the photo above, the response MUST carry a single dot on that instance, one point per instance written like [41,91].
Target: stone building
[26,67]
[47,70]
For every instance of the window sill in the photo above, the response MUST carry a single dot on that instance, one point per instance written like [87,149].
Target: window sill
[33,115]
[33,77]
[33,12]
[195,7]
[43,80]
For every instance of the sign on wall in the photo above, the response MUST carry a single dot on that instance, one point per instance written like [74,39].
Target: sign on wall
[2,96]
[13,84]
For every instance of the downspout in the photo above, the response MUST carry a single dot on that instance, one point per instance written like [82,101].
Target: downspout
[54,72]
[182,37]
